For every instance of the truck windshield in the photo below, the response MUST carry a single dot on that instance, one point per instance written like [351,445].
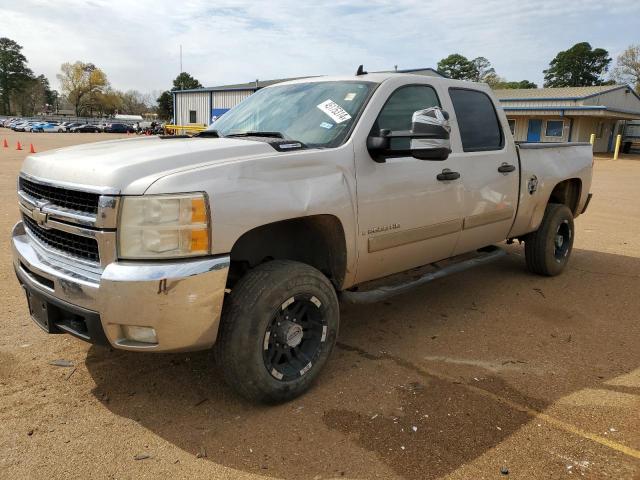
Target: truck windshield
[318,114]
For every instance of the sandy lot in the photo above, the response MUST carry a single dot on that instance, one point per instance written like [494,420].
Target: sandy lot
[492,369]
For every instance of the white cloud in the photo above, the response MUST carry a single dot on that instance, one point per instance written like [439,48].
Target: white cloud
[137,42]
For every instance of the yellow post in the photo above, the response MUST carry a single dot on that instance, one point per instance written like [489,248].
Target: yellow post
[616,151]
[592,139]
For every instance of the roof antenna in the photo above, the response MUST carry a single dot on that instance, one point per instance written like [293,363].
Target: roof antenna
[360,71]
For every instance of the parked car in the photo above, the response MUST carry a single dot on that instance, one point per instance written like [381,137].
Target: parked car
[85,128]
[19,126]
[69,125]
[52,127]
[242,238]
[6,122]
[119,128]
[35,127]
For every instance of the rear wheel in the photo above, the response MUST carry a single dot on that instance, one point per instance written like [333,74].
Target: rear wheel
[278,328]
[547,250]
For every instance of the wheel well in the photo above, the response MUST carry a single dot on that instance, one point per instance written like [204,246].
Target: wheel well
[567,193]
[316,240]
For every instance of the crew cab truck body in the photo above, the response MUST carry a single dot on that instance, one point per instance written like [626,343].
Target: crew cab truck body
[242,238]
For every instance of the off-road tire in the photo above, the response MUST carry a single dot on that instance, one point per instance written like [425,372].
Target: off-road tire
[248,313]
[541,250]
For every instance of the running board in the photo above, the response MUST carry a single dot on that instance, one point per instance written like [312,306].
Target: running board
[383,292]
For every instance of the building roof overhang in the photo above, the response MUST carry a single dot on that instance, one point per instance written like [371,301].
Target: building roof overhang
[584,110]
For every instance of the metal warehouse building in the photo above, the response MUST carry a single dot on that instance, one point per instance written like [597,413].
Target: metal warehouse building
[203,105]
[570,114]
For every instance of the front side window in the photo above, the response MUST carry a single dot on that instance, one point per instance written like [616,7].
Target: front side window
[477,120]
[318,114]
[397,113]
[554,128]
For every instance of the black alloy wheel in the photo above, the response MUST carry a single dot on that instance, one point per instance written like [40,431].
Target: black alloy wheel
[294,336]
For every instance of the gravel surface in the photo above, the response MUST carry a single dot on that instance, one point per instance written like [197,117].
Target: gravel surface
[492,373]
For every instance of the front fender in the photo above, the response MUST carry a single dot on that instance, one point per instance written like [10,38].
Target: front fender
[249,193]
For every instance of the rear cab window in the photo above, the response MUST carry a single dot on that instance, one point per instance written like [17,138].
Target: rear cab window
[478,122]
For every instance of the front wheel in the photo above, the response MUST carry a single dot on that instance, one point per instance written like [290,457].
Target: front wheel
[548,249]
[279,325]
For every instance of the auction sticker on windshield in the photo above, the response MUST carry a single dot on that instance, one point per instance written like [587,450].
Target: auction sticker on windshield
[335,111]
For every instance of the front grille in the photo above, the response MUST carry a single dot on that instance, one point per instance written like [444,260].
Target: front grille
[61,197]
[68,243]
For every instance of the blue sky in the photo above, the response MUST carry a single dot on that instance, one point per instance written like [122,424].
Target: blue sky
[136,42]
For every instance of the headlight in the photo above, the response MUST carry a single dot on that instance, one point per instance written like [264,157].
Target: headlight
[163,226]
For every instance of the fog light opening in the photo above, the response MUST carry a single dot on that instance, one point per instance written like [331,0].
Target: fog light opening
[140,334]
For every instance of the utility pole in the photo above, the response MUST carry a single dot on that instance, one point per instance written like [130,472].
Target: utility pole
[179,73]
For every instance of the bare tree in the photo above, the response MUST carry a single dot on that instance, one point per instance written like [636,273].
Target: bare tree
[627,69]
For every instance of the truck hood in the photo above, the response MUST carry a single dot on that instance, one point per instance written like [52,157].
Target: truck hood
[130,166]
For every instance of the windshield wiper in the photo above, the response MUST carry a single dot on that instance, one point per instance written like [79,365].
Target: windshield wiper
[256,134]
[208,133]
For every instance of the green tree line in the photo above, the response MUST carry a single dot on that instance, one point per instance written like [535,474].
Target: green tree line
[85,88]
[579,66]
[20,89]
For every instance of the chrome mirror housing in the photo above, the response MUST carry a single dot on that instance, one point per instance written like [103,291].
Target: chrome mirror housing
[430,130]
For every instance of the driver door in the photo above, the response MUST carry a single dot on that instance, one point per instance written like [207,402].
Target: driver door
[406,216]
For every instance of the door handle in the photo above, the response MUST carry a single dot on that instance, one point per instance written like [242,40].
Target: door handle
[447,175]
[506,168]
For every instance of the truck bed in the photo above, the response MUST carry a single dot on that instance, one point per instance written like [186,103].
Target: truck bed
[542,167]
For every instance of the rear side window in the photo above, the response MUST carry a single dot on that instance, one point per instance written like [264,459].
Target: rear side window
[477,120]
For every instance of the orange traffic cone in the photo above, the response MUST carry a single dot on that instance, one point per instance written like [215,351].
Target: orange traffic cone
[5,144]
[19,147]
[32,150]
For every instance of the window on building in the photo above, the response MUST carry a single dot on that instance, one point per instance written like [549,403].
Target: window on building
[512,126]
[477,119]
[192,116]
[555,128]
[397,113]
[600,130]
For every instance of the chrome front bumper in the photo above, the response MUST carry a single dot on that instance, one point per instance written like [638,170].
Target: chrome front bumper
[181,300]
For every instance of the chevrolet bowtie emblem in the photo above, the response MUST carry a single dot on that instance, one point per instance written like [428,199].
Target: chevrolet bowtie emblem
[39,216]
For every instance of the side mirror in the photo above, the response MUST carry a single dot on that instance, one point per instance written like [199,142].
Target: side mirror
[431,130]
[428,138]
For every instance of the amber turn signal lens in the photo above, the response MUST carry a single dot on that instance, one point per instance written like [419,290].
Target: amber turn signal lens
[199,241]
[198,211]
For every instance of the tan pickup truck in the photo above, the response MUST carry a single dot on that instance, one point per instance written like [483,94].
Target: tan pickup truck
[244,237]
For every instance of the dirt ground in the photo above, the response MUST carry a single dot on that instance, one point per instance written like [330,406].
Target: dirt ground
[492,373]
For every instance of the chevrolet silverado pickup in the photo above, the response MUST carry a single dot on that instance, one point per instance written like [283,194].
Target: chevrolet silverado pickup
[244,237]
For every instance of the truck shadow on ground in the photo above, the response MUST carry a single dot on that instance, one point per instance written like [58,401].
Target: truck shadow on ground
[384,406]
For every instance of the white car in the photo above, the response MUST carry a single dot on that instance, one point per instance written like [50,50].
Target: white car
[52,127]
[21,126]
[34,126]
